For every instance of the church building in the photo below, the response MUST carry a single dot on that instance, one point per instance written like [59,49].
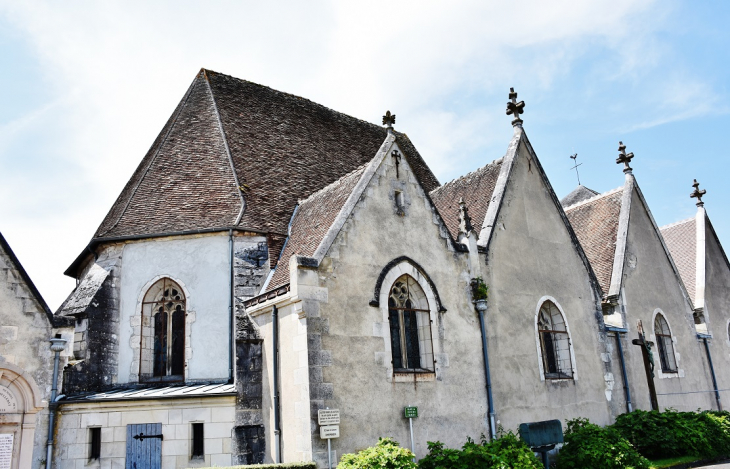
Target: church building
[271,258]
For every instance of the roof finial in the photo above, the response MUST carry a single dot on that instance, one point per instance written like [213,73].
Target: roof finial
[698,193]
[515,108]
[623,157]
[574,157]
[465,225]
[388,120]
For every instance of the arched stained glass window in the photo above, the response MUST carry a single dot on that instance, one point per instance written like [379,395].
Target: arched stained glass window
[554,342]
[410,326]
[664,344]
[163,332]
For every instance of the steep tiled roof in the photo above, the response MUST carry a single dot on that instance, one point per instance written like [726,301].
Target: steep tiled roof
[681,240]
[579,194]
[595,222]
[311,222]
[227,133]
[475,188]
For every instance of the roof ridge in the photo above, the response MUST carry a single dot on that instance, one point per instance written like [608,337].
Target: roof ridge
[594,198]
[333,184]
[284,93]
[676,223]
[442,186]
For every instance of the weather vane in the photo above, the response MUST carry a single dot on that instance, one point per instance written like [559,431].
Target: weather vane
[574,158]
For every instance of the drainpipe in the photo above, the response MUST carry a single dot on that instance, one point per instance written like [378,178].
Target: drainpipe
[57,345]
[277,428]
[231,312]
[712,371]
[627,391]
[481,307]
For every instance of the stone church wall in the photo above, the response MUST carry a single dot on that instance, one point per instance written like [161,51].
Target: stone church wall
[651,286]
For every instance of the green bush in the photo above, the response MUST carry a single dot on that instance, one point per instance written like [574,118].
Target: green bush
[289,465]
[589,445]
[387,454]
[504,453]
[671,433]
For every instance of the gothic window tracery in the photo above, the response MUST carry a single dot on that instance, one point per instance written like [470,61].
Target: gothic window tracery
[554,342]
[664,344]
[163,338]
[410,327]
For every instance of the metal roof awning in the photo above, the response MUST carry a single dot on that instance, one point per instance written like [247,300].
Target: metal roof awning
[167,392]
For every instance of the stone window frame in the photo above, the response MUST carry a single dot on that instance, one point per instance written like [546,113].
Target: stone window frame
[406,268]
[135,320]
[538,344]
[661,374]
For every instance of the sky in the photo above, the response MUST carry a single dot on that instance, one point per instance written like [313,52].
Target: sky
[87,86]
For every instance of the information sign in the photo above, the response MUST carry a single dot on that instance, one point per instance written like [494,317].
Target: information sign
[329,431]
[328,416]
[6,450]
[411,412]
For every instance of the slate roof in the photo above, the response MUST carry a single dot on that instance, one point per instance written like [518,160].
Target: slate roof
[475,188]
[595,222]
[228,133]
[84,293]
[681,240]
[579,194]
[310,224]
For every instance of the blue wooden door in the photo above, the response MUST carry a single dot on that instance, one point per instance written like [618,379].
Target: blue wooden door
[144,446]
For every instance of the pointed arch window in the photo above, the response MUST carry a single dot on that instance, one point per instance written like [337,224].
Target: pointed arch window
[410,327]
[665,344]
[163,332]
[554,342]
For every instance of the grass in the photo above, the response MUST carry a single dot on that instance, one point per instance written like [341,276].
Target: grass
[669,462]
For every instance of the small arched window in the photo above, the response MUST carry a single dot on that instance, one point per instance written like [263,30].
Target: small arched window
[410,327]
[554,342]
[163,332]
[664,344]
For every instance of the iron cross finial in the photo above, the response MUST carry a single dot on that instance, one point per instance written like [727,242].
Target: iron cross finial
[515,108]
[389,120]
[624,157]
[698,193]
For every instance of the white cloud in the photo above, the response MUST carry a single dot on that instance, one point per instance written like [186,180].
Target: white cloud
[119,69]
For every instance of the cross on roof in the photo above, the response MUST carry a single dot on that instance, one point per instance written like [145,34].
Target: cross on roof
[698,193]
[574,157]
[389,120]
[515,108]
[623,157]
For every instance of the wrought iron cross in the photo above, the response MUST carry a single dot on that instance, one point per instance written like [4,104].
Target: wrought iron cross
[396,156]
[389,120]
[574,158]
[624,157]
[515,108]
[698,193]
[648,357]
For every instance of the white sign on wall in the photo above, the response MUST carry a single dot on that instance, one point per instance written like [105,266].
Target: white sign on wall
[328,416]
[329,431]
[6,450]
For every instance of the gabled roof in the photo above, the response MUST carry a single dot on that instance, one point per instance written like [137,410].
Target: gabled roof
[236,154]
[595,222]
[578,194]
[475,188]
[681,239]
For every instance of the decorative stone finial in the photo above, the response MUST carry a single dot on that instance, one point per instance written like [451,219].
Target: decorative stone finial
[698,193]
[623,157]
[388,120]
[515,108]
[465,225]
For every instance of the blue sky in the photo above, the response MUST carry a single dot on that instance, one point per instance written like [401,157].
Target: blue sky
[88,85]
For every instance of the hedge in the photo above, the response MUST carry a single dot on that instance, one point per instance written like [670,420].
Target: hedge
[289,465]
